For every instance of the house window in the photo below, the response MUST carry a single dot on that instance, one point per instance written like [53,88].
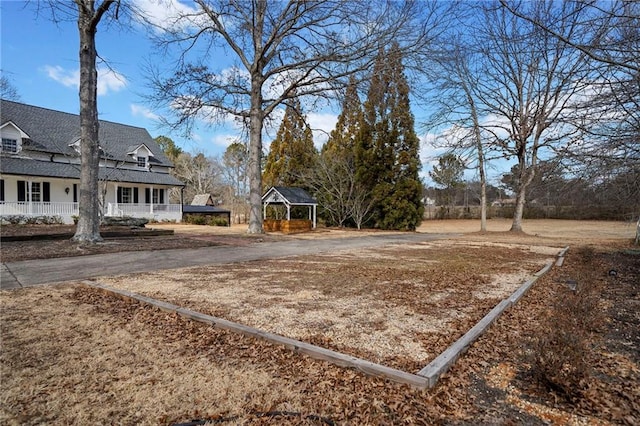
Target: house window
[35,191]
[142,162]
[9,145]
[158,196]
[1,190]
[127,195]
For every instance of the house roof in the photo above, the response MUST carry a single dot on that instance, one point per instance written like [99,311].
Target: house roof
[203,209]
[288,195]
[53,132]
[32,167]
[202,200]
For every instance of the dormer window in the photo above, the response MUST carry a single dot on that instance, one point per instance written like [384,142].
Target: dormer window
[12,138]
[141,155]
[9,145]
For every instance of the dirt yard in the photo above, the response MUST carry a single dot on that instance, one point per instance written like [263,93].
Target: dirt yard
[73,355]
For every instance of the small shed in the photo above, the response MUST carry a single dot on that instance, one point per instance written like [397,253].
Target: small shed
[203,205]
[289,197]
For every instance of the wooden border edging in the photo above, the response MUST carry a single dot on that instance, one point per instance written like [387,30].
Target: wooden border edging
[425,378]
[445,360]
[313,351]
[560,260]
[441,364]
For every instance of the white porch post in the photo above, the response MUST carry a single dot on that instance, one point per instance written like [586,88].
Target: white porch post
[288,211]
[314,216]
[115,196]
[151,200]
[29,197]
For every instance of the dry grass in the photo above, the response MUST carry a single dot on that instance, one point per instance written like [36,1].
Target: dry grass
[71,355]
[370,303]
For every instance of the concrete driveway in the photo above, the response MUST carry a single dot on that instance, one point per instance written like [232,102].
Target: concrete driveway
[43,271]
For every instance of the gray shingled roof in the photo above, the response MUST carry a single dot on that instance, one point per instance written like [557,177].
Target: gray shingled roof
[31,167]
[294,195]
[52,131]
[186,208]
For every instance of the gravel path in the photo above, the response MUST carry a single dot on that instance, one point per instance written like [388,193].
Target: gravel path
[42,271]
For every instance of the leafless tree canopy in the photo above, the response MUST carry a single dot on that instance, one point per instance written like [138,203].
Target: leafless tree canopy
[276,51]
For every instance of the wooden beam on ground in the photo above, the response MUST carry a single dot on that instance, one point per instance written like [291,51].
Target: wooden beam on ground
[560,260]
[445,360]
[313,351]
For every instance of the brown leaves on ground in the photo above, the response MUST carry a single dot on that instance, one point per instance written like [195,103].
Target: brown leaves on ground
[73,355]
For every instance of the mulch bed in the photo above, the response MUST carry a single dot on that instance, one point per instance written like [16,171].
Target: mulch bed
[27,242]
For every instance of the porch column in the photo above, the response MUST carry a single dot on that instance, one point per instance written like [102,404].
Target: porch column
[115,196]
[151,200]
[29,195]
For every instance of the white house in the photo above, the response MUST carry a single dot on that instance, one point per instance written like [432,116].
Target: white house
[40,167]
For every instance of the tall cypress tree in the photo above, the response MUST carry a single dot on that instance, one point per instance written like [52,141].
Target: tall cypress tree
[342,140]
[387,159]
[292,152]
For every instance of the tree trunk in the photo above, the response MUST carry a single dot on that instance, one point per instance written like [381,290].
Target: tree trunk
[516,225]
[88,228]
[255,159]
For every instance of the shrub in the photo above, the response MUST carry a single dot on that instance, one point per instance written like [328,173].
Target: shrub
[218,221]
[561,347]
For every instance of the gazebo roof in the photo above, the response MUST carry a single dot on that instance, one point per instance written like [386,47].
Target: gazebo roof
[288,195]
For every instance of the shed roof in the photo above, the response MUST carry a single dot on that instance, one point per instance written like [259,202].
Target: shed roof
[202,200]
[288,195]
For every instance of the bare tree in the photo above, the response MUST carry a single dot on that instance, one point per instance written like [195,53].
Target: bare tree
[457,107]
[234,167]
[610,36]
[530,86]
[7,89]
[281,50]
[88,229]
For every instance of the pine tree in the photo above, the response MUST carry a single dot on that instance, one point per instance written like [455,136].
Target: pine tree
[387,159]
[292,153]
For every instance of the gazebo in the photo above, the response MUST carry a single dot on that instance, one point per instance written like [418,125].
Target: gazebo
[289,197]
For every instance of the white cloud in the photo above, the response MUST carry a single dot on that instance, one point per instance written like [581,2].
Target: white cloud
[163,14]
[108,79]
[138,110]
[321,124]
[223,140]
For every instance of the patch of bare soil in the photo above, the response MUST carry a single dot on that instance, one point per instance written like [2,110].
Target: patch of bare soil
[45,248]
[395,305]
[73,355]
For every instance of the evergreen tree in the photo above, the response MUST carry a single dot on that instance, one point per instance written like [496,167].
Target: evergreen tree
[333,182]
[342,140]
[387,159]
[292,153]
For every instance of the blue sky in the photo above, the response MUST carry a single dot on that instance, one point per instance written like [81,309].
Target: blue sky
[40,59]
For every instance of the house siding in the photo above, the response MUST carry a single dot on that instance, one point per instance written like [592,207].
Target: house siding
[46,157]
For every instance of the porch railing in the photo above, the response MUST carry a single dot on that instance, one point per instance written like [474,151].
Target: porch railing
[22,208]
[67,210]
